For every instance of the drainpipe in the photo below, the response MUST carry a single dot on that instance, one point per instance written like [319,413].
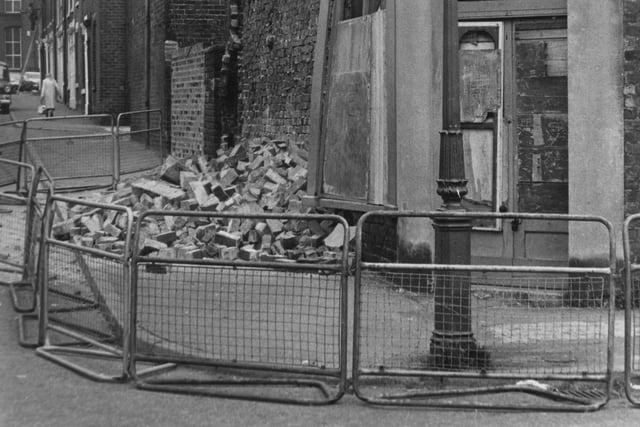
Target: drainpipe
[147,64]
[147,57]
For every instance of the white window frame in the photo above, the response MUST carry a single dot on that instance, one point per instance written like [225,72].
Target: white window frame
[13,47]
[12,6]
[500,137]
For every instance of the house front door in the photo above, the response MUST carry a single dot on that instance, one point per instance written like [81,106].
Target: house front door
[514,105]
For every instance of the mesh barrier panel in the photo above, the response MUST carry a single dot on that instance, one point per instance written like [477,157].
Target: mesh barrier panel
[231,299]
[77,151]
[140,141]
[635,320]
[87,285]
[453,335]
[244,315]
[86,293]
[523,332]
[14,208]
[631,241]
[74,161]
[10,141]
[12,227]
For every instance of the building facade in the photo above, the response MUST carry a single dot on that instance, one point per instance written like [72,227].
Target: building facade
[110,56]
[549,101]
[17,35]
[549,112]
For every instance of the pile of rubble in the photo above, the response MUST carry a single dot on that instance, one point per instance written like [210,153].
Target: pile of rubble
[256,177]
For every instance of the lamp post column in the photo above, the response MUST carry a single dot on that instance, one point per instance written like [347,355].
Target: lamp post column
[453,345]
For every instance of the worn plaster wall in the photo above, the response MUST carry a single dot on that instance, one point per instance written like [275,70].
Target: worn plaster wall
[419,119]
[596,135]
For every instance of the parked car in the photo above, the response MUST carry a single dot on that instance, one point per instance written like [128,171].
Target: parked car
[14,78]
[5,89]
[30,81]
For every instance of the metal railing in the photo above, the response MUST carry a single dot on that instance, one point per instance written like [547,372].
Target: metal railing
[10,147]
[273,330]
[631,245]
[77,151]
[537,331]
[84,286]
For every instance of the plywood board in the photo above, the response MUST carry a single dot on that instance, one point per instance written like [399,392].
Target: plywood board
[480,80]
[347,124]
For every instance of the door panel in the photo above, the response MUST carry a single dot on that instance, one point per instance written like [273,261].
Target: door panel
[541,140]
[531,149]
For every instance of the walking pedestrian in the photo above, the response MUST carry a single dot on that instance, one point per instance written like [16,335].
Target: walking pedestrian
[48,94]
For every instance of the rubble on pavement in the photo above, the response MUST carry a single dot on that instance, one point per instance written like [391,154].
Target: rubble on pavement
[255,177]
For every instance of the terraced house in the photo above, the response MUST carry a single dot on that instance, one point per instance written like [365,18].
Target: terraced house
[16,35]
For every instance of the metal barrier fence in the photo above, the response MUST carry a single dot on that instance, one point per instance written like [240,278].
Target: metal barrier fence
[41,189]
[14,209]
[10,145]
[270,330]
[77,151]
[523,341]
[139,134]
[631,244]
[21,223]
[84,285]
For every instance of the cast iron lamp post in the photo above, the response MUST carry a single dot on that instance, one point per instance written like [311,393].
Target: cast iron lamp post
[453,345]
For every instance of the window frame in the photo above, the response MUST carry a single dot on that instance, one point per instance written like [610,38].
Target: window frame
[365,8]
[12,6]
[10,53]
[502,9]
[497,30]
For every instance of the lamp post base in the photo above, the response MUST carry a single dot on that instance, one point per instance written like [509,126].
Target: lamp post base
[457,352]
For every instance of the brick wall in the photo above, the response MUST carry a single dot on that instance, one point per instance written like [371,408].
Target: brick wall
[276,79]
[184,21]
[109,86]
[198,21]
[632,105]
[632,114]
[195,110]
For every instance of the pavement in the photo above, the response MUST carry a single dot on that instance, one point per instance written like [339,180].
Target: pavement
[36,392]
[24,106]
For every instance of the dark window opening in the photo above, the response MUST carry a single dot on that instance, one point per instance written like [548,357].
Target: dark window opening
[358,8]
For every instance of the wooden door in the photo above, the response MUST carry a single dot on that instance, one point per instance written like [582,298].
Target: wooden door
[529,127]
[541,139]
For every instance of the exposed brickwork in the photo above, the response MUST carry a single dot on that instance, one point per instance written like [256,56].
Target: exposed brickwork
[108,35]
[195,114]
[632,105]
[276,66]
[185,21]
[198,21]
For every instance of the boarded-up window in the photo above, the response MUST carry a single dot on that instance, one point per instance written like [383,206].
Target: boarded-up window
[480,103]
